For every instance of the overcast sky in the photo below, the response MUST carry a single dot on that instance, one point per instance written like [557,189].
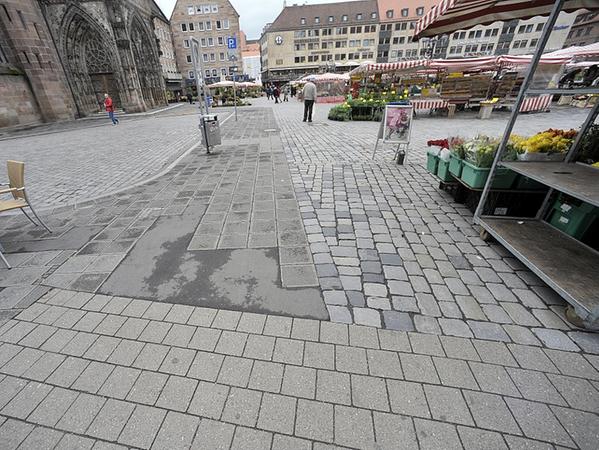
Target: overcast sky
[254,13]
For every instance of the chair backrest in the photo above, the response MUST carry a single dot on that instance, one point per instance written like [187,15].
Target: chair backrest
[16,177]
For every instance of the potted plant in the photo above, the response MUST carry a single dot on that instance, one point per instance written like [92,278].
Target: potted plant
[457,155]
[549,145]
[480,153]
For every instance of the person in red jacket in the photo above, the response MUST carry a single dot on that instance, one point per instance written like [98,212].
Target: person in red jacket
[109,106]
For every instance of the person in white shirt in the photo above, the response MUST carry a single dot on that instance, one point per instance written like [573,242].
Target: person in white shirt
[309,94]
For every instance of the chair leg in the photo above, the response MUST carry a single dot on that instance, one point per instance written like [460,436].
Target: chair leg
[4,259]
[29,217]
[38,218]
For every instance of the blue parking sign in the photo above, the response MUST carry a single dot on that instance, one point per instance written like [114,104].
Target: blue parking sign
[231,42]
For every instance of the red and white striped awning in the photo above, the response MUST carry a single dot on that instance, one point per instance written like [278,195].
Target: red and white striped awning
[585,51]
[451,15]
[390,67]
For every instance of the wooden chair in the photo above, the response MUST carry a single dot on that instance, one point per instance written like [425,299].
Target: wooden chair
[16,183]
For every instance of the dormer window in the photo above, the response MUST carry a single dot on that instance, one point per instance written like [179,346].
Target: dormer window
[303,21]
[420,11]
[359,16]
[344,18]
[405,12]
[331,19]
[373,15]
[317,20]
[390,14]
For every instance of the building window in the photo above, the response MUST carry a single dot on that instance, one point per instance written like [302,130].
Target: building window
[188,58]
[303,21]
[207,11]
[218,25]
[540,27]
[191,74]
[533,42]
[203,42]
[212,57]
[214,8]
[214,72]
[344,18]
[331,19]
[495,32]
[471,35]
[205,58]
[199,10]
[226,24]
[191,10]
[405,12]
[186,43]
[191,27]
[222,56]
[223,71]
[317,20]
[221,40]
[479,33]
[183,27]
[359,16]
[420,11]
[209,25]
[373,15]
[342,30]
[200,26]
[279,62]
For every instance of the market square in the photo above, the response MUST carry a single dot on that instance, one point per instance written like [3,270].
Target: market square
[385,271]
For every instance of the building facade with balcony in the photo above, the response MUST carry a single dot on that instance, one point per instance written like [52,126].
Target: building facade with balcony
[334,37]
[211,24]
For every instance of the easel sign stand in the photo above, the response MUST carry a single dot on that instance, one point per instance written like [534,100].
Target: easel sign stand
[396,128]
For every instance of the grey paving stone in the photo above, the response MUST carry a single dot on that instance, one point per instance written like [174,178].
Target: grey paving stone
[226,320]
[425,324]
[142,427]
[426,344]
[111,419]
[278,326]
[205,339]
[299,382]
[41,439]
[320,356]
[334,333]
[177,361]
[281,442]
[493,378]
[456,373]
[37,336]
[314,420]
[155,331]
[92,378]
[494,353]
[418,368]
[459,348]
[177,393]
[74,442]
[588,342]
[384,364]
[251,439]
[235,371]
[555,339]
[44,366]
[487,330]
[22,361]
[351,359]
[432,435]
[177,431]
[266,376]
[491,412]
[340,314]
[537,422]
[209,400]
[119,383]
[532,358]
[213,435]
[231,343]
[353,427]
[521,335]
[52,408]
[579,393]
[391,429]
[288,351]
[333,387]
[572,364]
[447,404]
[26,400]
[398,321]
[68,372]
[535,386]
[407,398]
[242,407]
[474,438]
[133,326]
[147,388]
[394,340]
[102,348]
[81,413]
[277,413]
[369,393]
[251,323]
[110,325]
[14,432]
[582,427]
[202,317]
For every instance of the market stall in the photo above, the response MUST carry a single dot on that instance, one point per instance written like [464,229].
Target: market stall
[330,87]
[557,238]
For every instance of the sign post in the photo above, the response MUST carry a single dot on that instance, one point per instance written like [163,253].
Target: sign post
[395,128]
[232,45]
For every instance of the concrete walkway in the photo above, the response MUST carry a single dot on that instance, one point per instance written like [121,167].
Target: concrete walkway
[229,304]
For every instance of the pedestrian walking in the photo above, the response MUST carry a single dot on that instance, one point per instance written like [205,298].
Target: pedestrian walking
[277,94]
[309,95]
[190,98]
[286,94]
[109,106]
[268,92]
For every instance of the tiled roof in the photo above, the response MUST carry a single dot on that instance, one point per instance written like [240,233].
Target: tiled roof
[291,16]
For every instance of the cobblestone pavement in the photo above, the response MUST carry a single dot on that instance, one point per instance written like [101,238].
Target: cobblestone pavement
[87,159]
[452,343]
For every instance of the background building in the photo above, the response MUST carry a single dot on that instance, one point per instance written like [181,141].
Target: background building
[168,60]
[250,54]
[211,24]
[584,30]
[317,38]
[59,57]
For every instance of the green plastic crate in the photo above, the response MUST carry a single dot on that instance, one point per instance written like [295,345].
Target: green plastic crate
[455,166]
[476,177]
[443,171]
[432,162]
[528,184]
[573,216]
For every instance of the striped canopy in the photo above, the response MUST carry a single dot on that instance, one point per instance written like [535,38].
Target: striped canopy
[451,15]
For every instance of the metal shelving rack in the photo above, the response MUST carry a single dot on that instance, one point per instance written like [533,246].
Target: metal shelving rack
[564,263]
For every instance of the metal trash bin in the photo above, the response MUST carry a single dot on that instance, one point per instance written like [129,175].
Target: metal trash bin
[210,130]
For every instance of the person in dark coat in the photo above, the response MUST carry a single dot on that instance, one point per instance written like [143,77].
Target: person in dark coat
[277,94]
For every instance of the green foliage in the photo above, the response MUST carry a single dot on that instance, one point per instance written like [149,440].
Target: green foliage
[340,113]
[589,147]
